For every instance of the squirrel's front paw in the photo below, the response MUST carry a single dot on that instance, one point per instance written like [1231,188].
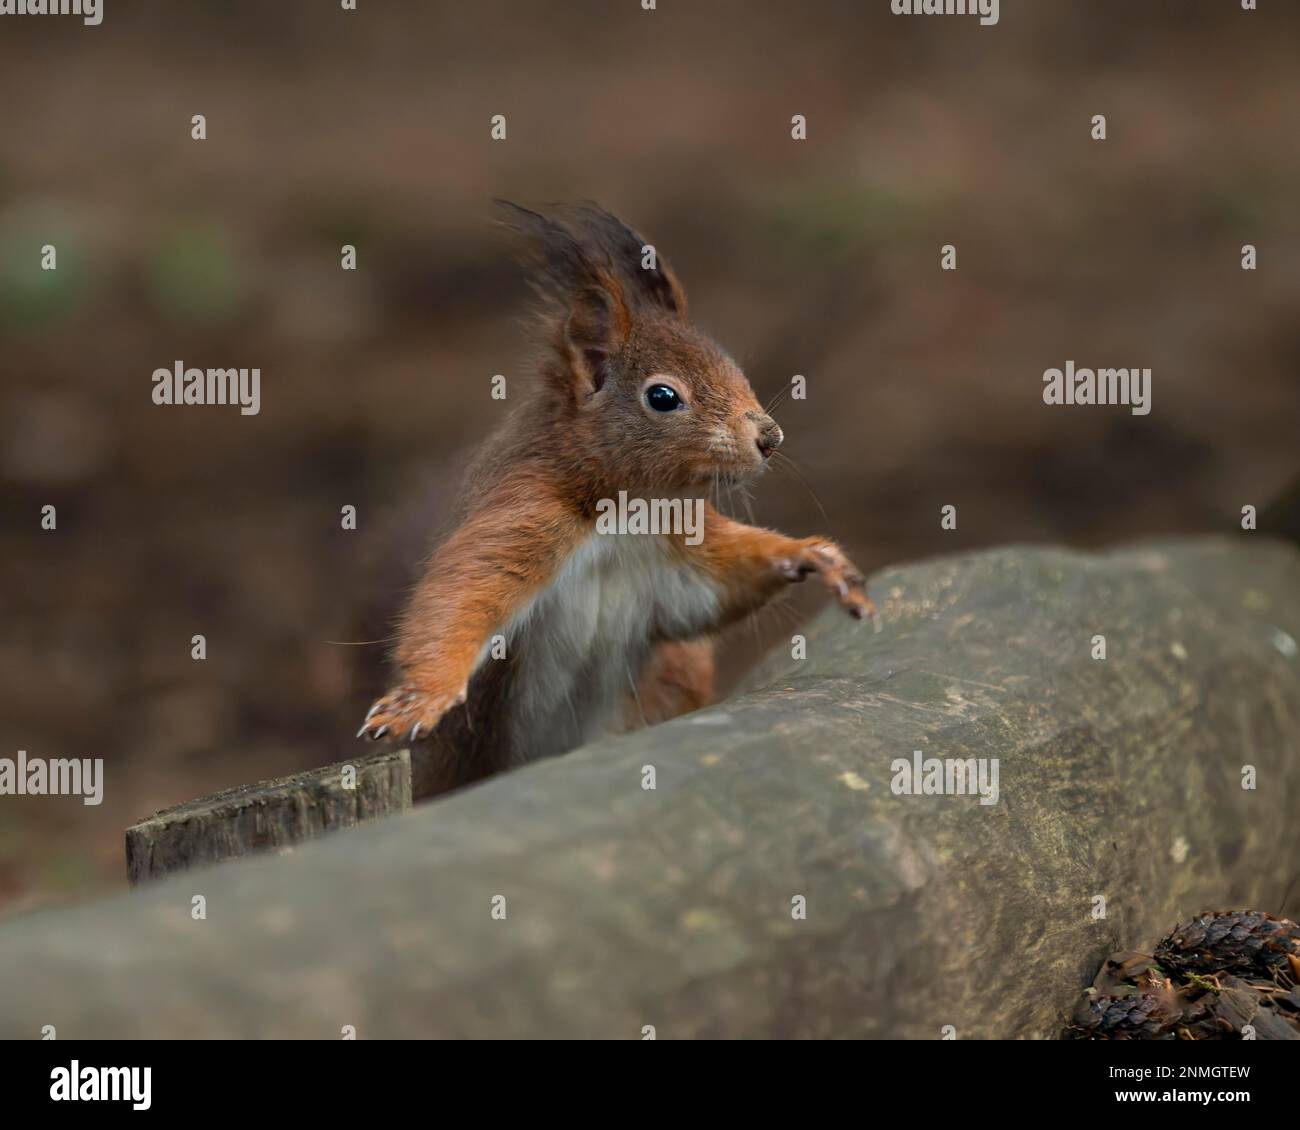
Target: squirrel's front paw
[408,713]
[837,573]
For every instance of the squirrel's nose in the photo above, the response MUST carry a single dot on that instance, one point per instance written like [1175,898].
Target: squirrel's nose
[769,438]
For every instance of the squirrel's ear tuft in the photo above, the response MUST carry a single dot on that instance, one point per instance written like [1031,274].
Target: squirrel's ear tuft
[641,263]
[570,245]
[585,296]
[560,261]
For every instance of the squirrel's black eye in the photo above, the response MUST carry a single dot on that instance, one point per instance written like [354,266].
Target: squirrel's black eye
[662,398]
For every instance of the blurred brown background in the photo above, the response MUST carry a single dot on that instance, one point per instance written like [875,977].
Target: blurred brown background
[822,258]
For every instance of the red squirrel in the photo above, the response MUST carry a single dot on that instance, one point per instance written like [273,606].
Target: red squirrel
[531,630]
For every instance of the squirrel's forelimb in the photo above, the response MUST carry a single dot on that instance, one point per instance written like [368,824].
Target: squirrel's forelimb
[485,573]
[750,565]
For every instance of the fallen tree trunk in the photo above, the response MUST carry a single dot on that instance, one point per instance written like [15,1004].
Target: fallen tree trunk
[566,899]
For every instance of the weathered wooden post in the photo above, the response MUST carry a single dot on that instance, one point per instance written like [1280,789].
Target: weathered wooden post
[268,815]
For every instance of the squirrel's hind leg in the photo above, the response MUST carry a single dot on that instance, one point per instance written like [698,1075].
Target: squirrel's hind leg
[677,678]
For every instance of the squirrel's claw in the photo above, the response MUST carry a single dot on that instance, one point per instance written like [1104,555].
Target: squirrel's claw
[408,711]
[838,574]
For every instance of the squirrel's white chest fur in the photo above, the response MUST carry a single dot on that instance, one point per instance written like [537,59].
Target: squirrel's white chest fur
[580,644]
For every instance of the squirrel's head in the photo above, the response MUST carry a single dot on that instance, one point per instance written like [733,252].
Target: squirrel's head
[651,401]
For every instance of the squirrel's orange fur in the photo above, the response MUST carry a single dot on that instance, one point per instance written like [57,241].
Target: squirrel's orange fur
[587,618]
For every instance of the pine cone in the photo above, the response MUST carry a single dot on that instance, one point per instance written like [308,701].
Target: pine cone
[1192,987]
[1146,1016]
[1249,943]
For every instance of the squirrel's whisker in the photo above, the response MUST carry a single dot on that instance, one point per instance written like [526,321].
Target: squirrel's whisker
[786,461]
[361,643]
[777,400]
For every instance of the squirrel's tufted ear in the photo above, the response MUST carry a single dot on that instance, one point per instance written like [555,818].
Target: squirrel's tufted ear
[584,291]
[595,326]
